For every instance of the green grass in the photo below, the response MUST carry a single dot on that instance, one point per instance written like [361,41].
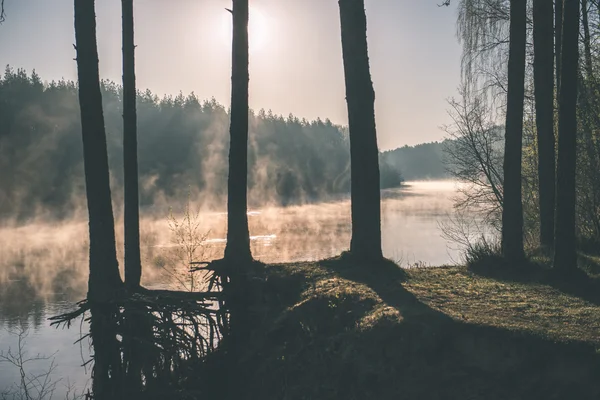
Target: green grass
[535,308]
[334,330]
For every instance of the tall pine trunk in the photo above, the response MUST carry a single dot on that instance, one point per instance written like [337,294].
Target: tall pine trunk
[238,236]
[512,212]
[104,280]
[558,29]
[364,154]
[543,75]
[565,256]
[133,263]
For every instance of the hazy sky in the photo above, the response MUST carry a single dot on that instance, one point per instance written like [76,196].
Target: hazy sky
[295,61]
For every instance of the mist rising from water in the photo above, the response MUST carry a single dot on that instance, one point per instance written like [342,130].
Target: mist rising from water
[42,260]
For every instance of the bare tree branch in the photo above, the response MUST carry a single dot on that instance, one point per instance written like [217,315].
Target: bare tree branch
[474,156]
[2,13]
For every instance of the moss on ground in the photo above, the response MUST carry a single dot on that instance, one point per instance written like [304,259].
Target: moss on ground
[335,330]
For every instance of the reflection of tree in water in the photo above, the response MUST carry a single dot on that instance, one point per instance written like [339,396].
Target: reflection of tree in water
[143,345]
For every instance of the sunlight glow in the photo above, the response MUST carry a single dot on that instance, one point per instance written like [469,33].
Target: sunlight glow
[258,30]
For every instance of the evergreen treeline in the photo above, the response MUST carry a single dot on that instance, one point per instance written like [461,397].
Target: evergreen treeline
[423,161]
[182,142]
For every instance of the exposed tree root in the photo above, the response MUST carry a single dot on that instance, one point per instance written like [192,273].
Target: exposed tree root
[145,341]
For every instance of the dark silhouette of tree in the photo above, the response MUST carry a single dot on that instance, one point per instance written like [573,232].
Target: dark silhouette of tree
[360,97]
[558,31]
[238,236]
[133,263]
[565,256]
[512,212]
[104,280]
[543,71]
[588,157]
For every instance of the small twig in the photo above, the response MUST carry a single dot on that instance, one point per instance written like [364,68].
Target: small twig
[2,13]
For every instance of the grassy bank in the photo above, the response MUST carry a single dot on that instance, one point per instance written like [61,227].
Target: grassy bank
[332,330]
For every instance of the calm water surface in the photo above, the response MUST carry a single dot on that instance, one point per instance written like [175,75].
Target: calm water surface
[53,258]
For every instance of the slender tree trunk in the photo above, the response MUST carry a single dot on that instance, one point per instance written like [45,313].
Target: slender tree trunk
[543,71]
[588,101]
[587,40]
[238,256]
[512,212]
[364,155]
[238,236]
[104,279]
[133,263]
[565,256]
[558,28]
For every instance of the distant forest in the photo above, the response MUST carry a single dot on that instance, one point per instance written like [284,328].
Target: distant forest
[423,161]
[183,143]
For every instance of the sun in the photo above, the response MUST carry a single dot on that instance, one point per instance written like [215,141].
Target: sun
[258,29]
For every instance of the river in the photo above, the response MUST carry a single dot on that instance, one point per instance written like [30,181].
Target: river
[43,266]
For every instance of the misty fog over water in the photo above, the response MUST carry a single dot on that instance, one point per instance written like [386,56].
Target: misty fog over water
[44,265]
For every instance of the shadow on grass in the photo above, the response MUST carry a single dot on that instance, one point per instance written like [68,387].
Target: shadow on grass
[583,282]
[352,331]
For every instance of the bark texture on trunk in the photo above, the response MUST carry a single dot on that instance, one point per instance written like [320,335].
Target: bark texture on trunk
[512,212]
[133,263]
[558,28]
[587,39]
[104,280]
[543,72]
[565,256]
[364,154]
[238,236]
